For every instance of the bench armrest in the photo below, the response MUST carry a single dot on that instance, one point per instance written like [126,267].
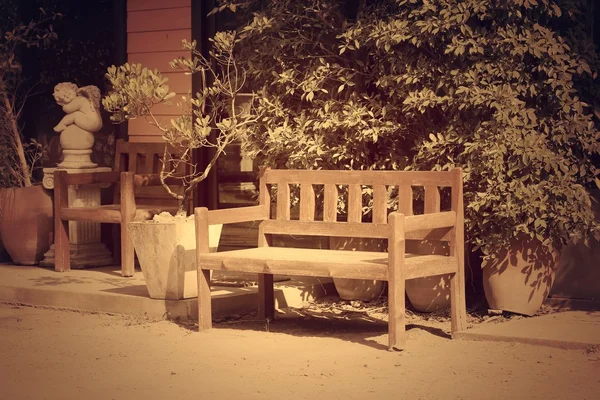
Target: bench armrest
[432,226]
[237,214]
[443,219]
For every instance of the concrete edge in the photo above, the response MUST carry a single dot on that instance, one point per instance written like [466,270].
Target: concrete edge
[136,306]
[560,344]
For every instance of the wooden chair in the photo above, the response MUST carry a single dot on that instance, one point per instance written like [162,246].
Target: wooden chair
[138,196]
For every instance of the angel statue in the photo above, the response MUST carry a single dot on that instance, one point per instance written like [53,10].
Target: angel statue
[77,127]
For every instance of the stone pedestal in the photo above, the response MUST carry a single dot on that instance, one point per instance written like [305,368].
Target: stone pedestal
[87,250]
[75,159]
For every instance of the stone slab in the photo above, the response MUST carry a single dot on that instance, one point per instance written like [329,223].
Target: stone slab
[104,290]
[567,330]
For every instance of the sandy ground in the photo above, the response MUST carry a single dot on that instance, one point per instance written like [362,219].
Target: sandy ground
[59,354]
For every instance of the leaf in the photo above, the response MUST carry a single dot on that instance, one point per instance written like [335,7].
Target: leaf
[341,87]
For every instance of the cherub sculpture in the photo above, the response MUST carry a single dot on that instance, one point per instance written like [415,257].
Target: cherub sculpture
[82,106]
[77,128]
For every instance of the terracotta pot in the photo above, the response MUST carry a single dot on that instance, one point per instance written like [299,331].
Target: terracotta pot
[26,223]
[520,278]
[3,254]
[429,294]
[357,289]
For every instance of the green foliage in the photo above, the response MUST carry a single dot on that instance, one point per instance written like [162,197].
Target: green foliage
[319,109]
[213,117]
[18,157]
[504,89]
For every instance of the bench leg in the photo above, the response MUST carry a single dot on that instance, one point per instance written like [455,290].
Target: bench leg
[266,297]
[396,284]
[396,315]
[458,307]
[127,253]
[62,255]
[204,300]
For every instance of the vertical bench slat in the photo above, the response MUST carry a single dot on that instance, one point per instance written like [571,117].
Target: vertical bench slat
[149,163]
[283,201]
[264,198]
[354,203]
[379,204]
[307,202]
[405,199]
[132,162]
[330,203]
[432,199]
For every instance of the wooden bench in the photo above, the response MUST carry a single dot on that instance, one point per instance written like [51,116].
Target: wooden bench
[400,226]
[138,195]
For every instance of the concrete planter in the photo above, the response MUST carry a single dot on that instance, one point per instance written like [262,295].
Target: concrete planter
[166,251]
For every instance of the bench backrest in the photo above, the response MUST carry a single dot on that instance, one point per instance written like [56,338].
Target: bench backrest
[144,158]
[322,191]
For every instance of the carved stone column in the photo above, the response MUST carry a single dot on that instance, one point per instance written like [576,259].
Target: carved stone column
[84,237]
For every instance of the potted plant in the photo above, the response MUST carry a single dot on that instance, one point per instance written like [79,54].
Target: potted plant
[213,118]
[25,207]
[413,84]
[480,89]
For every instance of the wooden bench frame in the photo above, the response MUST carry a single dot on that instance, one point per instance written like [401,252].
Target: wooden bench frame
[395,266]
[138,196]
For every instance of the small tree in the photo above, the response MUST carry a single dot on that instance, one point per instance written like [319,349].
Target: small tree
[19,157]
[211,118]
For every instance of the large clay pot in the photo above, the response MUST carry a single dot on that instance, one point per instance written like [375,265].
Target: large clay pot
[26,223]
[3,254]
[357,289]
[520,278]
[429,294]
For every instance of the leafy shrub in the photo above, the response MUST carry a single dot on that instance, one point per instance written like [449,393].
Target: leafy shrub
[503,89]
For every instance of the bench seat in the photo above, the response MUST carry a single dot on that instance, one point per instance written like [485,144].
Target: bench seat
[323,263]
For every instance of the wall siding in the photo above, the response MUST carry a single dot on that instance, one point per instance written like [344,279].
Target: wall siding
[155,29]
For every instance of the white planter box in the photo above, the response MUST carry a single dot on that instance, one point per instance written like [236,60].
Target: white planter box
[167,255]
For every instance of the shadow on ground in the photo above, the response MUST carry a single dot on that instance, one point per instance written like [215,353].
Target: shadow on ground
[354,326]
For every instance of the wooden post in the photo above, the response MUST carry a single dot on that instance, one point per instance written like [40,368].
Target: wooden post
[61,228]
[458,311]
[396,283]
[204,298]
[127,215]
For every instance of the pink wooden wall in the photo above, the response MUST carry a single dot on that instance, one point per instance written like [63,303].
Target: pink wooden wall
[155,29]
